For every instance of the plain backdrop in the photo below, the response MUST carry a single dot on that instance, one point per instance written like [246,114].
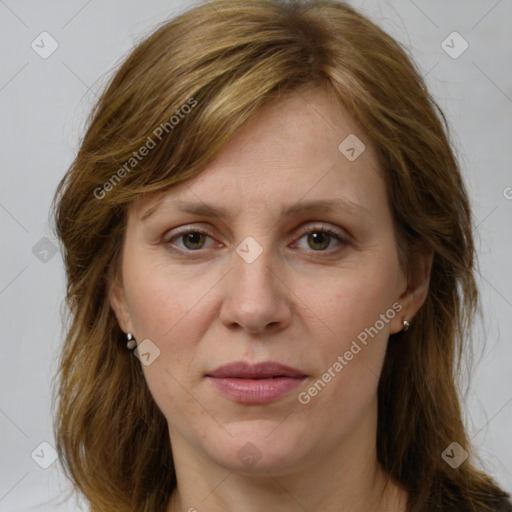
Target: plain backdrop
[44,103]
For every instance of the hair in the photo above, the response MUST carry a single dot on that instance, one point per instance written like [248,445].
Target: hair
[226,60]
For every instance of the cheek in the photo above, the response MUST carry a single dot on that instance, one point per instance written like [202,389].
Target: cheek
[177,403]
[162,299]
[171,310]
[162,311]
[358,309]
[355,301]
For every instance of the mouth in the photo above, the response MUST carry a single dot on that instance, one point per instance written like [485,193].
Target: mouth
[255,383]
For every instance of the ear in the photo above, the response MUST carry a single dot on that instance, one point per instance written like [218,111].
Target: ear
[119,305]
[417,286]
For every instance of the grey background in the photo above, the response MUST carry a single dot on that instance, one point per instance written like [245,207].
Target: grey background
[44,103]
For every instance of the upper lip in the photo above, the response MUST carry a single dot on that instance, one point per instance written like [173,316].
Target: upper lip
[264,370]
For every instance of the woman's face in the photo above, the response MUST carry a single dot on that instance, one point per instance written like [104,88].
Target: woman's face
[282,252]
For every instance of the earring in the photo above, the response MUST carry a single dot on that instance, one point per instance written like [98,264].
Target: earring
[131,343]
[406,325]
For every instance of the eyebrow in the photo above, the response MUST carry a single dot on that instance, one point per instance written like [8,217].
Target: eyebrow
[306,207]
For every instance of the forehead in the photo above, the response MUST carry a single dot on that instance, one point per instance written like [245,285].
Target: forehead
[293,147]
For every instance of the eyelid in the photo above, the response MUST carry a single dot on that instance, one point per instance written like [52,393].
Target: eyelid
[308,228]
[185,231]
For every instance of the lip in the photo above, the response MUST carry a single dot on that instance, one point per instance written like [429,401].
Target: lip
[259,383]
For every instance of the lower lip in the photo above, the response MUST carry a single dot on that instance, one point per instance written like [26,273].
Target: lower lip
[255,391]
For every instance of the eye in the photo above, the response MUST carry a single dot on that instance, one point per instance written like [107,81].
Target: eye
[320,238]
[193,239]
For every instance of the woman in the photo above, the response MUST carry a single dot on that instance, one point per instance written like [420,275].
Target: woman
[267,210]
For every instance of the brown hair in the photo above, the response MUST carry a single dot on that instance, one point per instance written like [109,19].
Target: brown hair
[226,60]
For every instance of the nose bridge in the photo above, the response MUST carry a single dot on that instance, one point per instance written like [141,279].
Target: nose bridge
[254,297]
[252,276]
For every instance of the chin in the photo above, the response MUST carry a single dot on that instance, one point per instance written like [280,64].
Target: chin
[257,446]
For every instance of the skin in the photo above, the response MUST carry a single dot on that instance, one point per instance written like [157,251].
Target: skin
[301,302]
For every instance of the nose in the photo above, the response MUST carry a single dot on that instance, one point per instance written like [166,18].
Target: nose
[256,299]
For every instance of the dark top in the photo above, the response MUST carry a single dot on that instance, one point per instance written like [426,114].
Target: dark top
[504,505]
[501,504]
[498,503]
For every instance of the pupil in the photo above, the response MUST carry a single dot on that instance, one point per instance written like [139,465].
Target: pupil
[317,239]
[194,238]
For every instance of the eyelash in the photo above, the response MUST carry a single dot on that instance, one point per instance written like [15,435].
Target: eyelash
[343,240]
